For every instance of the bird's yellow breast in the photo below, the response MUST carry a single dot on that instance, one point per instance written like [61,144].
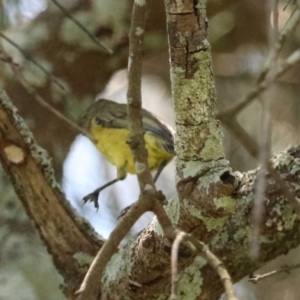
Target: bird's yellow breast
[111,142]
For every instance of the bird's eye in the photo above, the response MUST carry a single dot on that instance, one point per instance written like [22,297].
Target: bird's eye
[98,121]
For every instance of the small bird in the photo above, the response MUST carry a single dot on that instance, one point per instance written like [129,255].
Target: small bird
[106,123]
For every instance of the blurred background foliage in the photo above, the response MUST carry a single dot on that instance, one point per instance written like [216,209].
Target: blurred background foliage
[238,33]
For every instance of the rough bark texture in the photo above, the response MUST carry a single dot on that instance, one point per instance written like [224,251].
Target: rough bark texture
[205,183]
[209,204]
[29,167]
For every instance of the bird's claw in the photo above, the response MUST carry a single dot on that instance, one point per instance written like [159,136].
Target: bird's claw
[92,197]
[124,212]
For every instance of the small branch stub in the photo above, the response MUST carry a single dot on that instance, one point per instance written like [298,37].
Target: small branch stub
[14,154]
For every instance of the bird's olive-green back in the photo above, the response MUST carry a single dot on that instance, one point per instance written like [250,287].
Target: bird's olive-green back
[110,114]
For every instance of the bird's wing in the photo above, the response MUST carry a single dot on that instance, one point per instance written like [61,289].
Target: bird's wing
[156,126]
[113,119]
[151,124]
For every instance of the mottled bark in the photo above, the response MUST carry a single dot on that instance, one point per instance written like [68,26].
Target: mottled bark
[65,235]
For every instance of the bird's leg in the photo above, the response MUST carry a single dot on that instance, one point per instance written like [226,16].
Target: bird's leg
[93,197]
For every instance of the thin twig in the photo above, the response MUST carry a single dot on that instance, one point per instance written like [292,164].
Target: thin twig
[284,269]
[16,70]
[134,97]
[292,60]
[174,264]
[288,3]
[90,287]
[202,250]
[229,117]
[275,51]
[89,34]
[28,57]
[264,143]
[252,147]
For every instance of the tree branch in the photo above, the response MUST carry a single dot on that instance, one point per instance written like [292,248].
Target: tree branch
[90,287]
[31,174]
[85,30]
[202,250]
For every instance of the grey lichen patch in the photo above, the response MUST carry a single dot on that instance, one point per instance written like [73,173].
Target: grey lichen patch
[201,5]
[219,239]
[39,154]
[83,259]
[241,234]
[198,168]
[148,187]
[282,159]
[209,172]
[266,239]
[140,2]
[295,167]
[179,71]
[288,218]
[139,167]
[139,31]
[211,223]
[173,210]
[190,280]
[214,223]
[194,98]
[277,208]
[162,296]
[200,142]
[120,264]
[42,157]
[154,225]
[213,147]
[226,203]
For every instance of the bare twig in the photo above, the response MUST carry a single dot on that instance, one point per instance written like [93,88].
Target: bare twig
[89,34]
[283,269]
[252,147]
[229,117]
[16,70]
[174,264]
[30,58]
[288,3]
[201,249]
[275,51]
[90,286]
[292,60]
[275,17]
[134,97]
[264,142]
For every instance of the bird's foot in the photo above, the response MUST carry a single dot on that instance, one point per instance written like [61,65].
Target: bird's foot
[92,197]
[124,212]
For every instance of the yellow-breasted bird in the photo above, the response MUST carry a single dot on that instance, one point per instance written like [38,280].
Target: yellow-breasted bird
[106,123]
